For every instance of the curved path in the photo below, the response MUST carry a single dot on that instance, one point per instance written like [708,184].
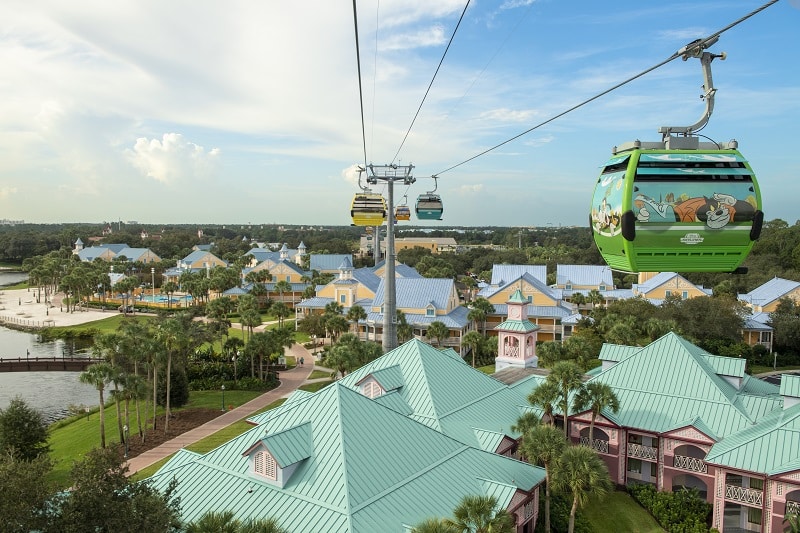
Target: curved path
[290,381]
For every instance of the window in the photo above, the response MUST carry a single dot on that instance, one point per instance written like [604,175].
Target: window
[756,484]
[753,515]
[685,295]
[602,287]
[288,278]
[568,286]
[635,466]
[371,389]
[342,299]
[667,293]
[653,470]
[430,312]
[634,439]
[265,465]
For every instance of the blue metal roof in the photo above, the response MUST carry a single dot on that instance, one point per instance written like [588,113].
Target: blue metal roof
[505,274]
[329,262]
[591,275]
[773,290]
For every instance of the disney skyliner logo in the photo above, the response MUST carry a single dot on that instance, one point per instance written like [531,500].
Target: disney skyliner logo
[692,238]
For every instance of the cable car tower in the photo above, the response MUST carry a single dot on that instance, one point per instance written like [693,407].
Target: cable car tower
[390,174]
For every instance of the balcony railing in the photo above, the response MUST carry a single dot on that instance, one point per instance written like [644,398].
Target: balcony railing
[744,495]
[691,464]
[642,452]
[597,444]
[792,507]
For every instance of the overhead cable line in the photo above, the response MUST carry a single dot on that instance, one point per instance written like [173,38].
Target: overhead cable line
[375,73]
[360,89]
[687,50]
[432,80]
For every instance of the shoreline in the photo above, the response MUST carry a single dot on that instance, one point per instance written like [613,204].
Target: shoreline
[20,310]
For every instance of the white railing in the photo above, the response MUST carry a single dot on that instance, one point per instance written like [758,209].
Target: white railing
[691,464]
[792,507]
[597,444]
[744,495]
[642,452]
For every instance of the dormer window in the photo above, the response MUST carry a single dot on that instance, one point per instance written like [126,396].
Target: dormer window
[602,287]
[568,286]
[371,389]
[430,311]
[264,464]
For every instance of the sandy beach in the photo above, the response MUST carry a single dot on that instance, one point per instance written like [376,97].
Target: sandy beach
[19,307]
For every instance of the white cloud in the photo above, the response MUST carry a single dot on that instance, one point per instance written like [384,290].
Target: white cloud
[432,36]
[509,115]
[472,189]
[172,159]
[6,192]
[536,142]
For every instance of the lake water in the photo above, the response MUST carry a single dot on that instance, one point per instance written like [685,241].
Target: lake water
[50,392]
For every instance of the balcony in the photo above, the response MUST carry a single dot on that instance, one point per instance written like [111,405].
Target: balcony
[792,507]
[690,464]
[744,495]
[642,452]
[597,444]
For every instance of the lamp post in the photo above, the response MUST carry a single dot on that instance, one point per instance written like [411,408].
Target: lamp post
[223,396]
[235,373]
[153,276]
[125,433]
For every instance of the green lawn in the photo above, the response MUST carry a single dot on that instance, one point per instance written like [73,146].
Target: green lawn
[70,440]
[757,369]
[619,513]
[106,325]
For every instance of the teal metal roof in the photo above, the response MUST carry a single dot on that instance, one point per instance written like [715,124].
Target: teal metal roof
[371,469]
[290,446]
[727,366]
[616,352]
[770,447]
[517,298]
[790,385]
[519,326]
[446,394]
[389,378]
[671,380]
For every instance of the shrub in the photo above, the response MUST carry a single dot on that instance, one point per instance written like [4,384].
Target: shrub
[677,512]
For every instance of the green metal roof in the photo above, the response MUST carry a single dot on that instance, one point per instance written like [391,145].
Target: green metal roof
[671,380]
[790,385]
[616,352]
[727,366]
[371,469]
[389,378]
[517,298]
[446,394]
[770,447]
[519,326]
[291,445]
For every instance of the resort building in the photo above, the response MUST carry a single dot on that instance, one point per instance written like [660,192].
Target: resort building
[399,441]
[688,418]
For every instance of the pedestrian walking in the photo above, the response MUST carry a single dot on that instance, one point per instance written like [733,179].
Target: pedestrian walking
[302,360]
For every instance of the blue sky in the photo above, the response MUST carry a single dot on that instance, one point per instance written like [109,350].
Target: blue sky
[248,112]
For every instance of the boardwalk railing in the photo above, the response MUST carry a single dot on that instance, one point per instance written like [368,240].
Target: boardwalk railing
[43,364]
[24,322]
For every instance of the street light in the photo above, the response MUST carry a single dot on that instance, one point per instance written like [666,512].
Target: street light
[153,276]
[125,433]
[223,396]
[235,373]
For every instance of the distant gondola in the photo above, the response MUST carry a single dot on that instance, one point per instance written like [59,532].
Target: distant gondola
[368,209]
[429,205]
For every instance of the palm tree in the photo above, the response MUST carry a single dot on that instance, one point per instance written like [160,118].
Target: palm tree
[283,286]
[478,514]
[98,375]
[568,377]
[526,422]
[435,525]
[474,340]
[439,331]
[545,397]
[595,298]
[583,474]
[544,445]
[482,308]
[405,332]
[356,313]
[793,521]
[596,396]
[226,522]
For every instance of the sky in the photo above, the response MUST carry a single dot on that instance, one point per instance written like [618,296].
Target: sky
[246,112]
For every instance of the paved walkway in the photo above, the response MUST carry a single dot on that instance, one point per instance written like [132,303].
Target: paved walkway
[290,381]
